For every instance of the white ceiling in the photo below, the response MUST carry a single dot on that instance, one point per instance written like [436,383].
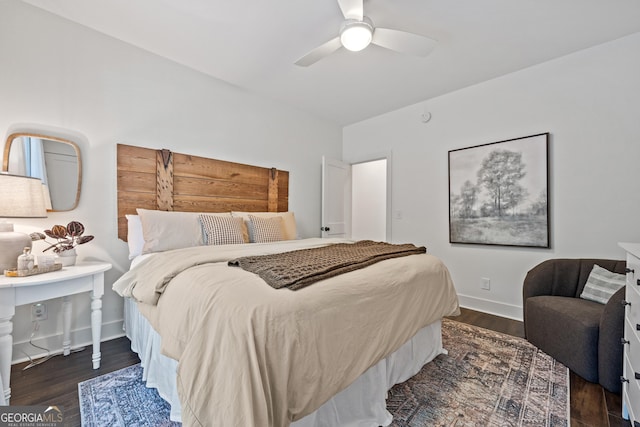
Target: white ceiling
[253,44]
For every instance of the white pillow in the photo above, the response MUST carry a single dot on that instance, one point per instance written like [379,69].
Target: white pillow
[266,229]
[222,230]
[602,284]
[289,231]
[167,230]
[135,238]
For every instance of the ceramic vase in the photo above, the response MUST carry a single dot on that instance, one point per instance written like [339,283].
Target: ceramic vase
[67,258]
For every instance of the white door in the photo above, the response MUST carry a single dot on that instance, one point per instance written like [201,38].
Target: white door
[336,198]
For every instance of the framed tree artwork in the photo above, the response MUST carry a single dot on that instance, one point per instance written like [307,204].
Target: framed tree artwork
[498,193]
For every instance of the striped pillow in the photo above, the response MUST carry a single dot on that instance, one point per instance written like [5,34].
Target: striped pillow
[266,229]
[221,230]
[602,284]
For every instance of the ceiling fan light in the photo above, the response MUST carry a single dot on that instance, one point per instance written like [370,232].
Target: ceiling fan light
[355,36]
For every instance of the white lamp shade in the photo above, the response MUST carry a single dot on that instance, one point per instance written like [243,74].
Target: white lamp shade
[21,197]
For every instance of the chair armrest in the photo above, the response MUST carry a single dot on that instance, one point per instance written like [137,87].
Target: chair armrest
[538,281]
[612,320]
[609,347]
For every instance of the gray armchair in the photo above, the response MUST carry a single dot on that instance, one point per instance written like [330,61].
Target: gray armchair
[583,335]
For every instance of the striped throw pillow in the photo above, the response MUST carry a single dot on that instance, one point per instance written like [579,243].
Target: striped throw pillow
[602,284]
[266,229]
[221,230]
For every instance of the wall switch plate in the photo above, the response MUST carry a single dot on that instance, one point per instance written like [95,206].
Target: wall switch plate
[485,283]
[38,312]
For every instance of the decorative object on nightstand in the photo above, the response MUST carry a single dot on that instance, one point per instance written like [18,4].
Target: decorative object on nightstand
[27,267]
[631,342]
[26,261]
[67,238]
[21,197]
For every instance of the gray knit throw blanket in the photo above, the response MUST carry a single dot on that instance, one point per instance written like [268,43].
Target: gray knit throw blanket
[297,269]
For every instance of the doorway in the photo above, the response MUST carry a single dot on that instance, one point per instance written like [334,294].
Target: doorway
[356,200]
[369,200]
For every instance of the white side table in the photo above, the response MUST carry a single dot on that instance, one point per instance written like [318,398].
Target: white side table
[14,291]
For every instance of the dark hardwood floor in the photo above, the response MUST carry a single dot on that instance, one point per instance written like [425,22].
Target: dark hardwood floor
[55,382]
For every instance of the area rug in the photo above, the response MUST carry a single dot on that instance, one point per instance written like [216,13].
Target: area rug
[121,398]
[487,379]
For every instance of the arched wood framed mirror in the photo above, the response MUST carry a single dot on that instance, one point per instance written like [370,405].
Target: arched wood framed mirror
[56,161]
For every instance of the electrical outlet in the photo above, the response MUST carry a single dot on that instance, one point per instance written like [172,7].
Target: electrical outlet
[485,283]
[38,312]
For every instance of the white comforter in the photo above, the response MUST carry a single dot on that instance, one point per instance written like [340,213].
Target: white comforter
[251,355]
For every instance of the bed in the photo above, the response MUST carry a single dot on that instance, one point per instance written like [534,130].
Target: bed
[224,348]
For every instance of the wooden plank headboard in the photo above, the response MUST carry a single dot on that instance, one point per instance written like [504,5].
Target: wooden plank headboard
[160,179]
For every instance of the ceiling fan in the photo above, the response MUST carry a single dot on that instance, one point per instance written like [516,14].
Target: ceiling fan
[357,32]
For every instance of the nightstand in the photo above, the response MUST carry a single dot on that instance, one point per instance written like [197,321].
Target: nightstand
[14,291]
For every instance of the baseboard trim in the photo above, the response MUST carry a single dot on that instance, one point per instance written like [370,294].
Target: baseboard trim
[501,309]
[79,338]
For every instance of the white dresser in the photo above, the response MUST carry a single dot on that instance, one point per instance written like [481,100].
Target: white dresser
[631,373]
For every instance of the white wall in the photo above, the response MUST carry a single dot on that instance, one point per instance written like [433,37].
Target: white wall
[588,101]
[62,78]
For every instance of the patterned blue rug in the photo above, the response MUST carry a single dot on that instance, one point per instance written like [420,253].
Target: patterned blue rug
[121,398]
[487,379]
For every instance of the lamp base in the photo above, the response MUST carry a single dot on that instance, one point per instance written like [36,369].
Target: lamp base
[12,245]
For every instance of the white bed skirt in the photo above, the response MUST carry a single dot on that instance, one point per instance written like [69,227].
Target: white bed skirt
[361,404]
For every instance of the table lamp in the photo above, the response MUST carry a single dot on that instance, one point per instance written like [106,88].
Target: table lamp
[20,197]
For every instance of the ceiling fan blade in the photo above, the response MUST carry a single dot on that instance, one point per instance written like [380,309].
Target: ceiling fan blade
[320,52]
[351,9]
[403,42]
